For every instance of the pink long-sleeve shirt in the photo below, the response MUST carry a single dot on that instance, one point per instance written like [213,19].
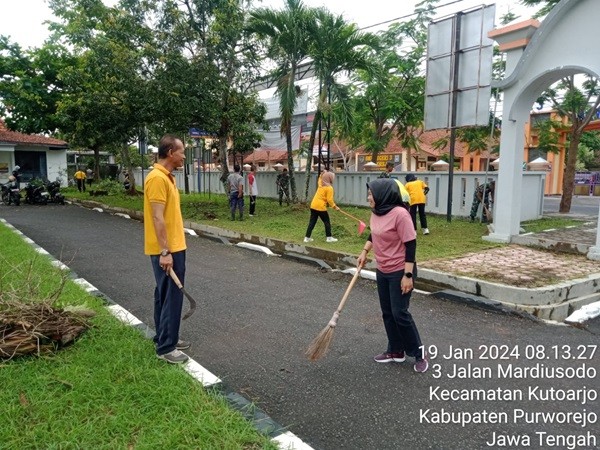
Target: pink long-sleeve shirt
[389,233]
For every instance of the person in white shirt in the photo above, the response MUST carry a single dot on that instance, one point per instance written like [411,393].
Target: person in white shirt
[253,189]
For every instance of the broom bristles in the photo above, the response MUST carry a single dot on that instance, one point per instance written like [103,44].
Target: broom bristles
[320,345]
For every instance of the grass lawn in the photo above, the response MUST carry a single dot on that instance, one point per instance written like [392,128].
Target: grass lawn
[107,391]
[288,223]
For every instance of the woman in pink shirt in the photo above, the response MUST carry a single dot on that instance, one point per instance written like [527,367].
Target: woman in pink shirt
[393,240]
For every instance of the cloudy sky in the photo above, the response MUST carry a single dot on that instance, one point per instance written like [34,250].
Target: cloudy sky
[24,20]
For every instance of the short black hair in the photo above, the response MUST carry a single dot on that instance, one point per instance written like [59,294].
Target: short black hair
[167,142]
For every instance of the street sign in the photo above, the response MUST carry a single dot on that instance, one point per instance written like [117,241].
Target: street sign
[199,132]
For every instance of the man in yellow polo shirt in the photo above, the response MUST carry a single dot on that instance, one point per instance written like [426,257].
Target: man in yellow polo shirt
[164,242]
[80,180]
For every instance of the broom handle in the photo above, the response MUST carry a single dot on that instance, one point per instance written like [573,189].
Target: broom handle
[349,215]
[347,293]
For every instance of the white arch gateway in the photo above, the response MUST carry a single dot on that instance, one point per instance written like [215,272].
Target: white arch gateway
[537,56]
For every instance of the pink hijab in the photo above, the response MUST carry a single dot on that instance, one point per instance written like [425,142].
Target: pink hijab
[327,178]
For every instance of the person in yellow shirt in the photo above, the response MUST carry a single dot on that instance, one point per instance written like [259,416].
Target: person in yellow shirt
[164,242]
[417,190]
[80,180]
[318,207]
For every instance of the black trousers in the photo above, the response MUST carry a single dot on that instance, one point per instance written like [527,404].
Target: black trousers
[400,327]
[314,215]
[422,217]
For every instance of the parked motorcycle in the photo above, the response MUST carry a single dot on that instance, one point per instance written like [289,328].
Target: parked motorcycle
[36,194]
[10,192]
[53,189]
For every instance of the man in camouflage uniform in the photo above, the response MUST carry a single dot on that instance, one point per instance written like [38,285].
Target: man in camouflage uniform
[283,186]
[482,193]
[389,167]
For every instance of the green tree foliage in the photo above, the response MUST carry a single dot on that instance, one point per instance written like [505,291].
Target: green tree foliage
[211,37]
[287,39]
[337,49]
[585,158]
[389,97]
[31,86]
[579,104]
[107,102]
[548,135]
[591,139]
[112,71]
[546,6]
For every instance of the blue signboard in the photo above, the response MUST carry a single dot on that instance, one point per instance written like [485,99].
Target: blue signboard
[198,133]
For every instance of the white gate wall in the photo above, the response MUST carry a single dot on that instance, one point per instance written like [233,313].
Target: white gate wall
[350,188]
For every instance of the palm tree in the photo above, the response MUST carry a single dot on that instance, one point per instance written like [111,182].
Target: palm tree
[287,35]
[337,47]
[389,98]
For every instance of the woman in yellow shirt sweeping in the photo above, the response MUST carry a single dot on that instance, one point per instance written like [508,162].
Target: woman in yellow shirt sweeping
[318,207]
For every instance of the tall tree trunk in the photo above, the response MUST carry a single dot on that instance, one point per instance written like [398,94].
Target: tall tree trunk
[311,145]
[224,161]
[569,178]
[96,163]
[125,157]
[290,157]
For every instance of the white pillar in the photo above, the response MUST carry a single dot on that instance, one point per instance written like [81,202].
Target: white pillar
[594,252]
[507,198]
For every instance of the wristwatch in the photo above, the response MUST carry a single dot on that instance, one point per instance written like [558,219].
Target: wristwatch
[165,252]
[408,274]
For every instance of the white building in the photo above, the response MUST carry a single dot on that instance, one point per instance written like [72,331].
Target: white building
[37,156]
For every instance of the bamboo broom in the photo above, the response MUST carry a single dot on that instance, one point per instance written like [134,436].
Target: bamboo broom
[320,345]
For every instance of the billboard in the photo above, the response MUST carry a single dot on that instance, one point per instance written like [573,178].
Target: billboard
[459,70]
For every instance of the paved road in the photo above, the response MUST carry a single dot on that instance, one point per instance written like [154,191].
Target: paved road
[580,205]
[257,314]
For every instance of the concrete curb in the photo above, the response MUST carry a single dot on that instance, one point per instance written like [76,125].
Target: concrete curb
[540,302]
[284,439]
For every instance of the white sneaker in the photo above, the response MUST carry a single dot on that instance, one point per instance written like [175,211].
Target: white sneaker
[308,239]
[425,230]
[331,239]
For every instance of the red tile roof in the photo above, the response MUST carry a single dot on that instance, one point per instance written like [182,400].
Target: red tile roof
[14,137]
[258,156]
[426,141]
